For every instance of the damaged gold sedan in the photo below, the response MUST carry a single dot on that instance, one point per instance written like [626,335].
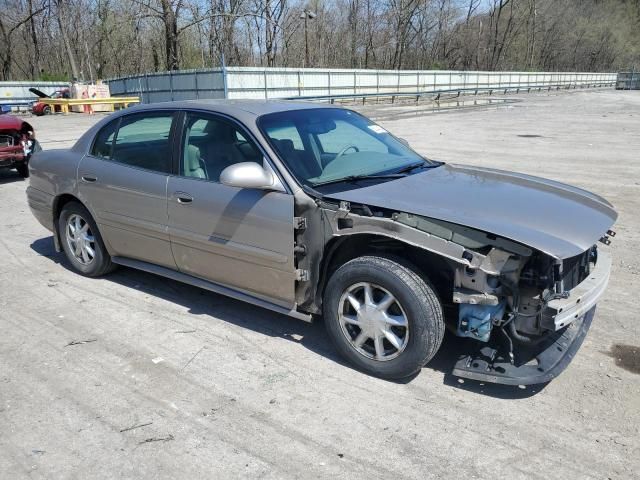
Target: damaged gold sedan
[316,211]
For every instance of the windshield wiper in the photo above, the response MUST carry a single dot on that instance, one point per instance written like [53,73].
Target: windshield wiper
[355,178]
[413,166]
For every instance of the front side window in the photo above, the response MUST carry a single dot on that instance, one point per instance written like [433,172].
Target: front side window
[211,144]
[327,145]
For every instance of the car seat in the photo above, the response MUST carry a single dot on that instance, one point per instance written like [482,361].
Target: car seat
[220,149]
[193,164]
[296,159]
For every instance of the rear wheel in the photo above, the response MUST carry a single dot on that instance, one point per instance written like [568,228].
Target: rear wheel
[46,110]
[82,242]
[383,317]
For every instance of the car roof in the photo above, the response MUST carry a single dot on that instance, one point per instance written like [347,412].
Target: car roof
[245,111]
[234,107]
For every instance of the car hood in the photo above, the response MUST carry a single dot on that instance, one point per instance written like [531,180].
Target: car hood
[554,218]
[39,93]
[10,122]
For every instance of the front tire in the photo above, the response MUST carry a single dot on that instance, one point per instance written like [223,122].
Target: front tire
[23,169]
[383,317]
[81,241]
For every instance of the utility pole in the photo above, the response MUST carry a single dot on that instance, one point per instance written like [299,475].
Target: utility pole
[306,15]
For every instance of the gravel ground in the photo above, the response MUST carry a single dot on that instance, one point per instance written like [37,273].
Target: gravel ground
[175,382]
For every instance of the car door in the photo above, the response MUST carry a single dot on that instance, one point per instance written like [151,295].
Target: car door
[123,181]
[238,238]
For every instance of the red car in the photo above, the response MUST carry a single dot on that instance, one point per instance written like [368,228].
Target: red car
[40,108]
[17,144]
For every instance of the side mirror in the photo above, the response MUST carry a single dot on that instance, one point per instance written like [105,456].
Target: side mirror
[248,175]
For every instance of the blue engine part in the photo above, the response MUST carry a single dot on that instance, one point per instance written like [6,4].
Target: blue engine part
[475,321]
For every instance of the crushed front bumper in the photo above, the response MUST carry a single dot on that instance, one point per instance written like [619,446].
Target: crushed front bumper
[11,156]
[532,365]
[570,318]
[583,297]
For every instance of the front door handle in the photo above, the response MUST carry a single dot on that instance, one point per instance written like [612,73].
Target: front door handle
[89,178]
[182,197]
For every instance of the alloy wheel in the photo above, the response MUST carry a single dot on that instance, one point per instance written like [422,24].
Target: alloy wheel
[373,321]
[80,239]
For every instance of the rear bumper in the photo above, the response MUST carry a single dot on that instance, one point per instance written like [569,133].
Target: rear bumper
[532,365]
[41,205]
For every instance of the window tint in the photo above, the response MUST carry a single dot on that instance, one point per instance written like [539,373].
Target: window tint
[211,145]
[143,141]
[104,140]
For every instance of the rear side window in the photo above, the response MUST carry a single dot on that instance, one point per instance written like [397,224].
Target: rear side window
[143,141]
[140,141]
[104,140]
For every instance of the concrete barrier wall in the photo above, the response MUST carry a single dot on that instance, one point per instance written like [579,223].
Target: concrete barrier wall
[263,83]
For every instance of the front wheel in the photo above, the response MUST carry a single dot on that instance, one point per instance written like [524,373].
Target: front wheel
[383,317]
[23,169]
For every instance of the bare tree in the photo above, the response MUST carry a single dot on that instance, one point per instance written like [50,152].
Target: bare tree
[63,38]
[8,27]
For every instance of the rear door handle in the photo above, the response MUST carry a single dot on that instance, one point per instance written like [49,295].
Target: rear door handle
[89,178]
[182,197]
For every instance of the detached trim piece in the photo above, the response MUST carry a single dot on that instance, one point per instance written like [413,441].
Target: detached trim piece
[212,287]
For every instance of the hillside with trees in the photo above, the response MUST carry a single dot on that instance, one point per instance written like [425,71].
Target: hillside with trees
[89,39]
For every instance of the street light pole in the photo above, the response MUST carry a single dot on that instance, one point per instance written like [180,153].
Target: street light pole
[306,15]
[306,43]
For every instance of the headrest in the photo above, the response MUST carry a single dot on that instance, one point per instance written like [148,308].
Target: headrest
[286,145]
[220,132]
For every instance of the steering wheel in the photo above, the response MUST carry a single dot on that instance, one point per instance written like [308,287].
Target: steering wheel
[345,150]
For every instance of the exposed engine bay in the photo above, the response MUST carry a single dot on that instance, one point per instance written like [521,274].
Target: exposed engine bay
[17,143]
[501,294]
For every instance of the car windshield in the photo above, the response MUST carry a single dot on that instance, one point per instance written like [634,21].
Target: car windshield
[330,145]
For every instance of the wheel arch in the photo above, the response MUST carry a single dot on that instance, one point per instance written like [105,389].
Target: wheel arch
[433,268]
[58,204]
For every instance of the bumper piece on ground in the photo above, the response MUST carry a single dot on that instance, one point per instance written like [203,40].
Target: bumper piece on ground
[532,365]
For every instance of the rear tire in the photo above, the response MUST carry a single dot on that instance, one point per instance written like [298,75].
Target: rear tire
[82,243]
[383,317]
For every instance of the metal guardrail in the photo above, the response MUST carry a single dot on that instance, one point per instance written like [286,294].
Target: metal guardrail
[458,91]
[267,83]
[65,103]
